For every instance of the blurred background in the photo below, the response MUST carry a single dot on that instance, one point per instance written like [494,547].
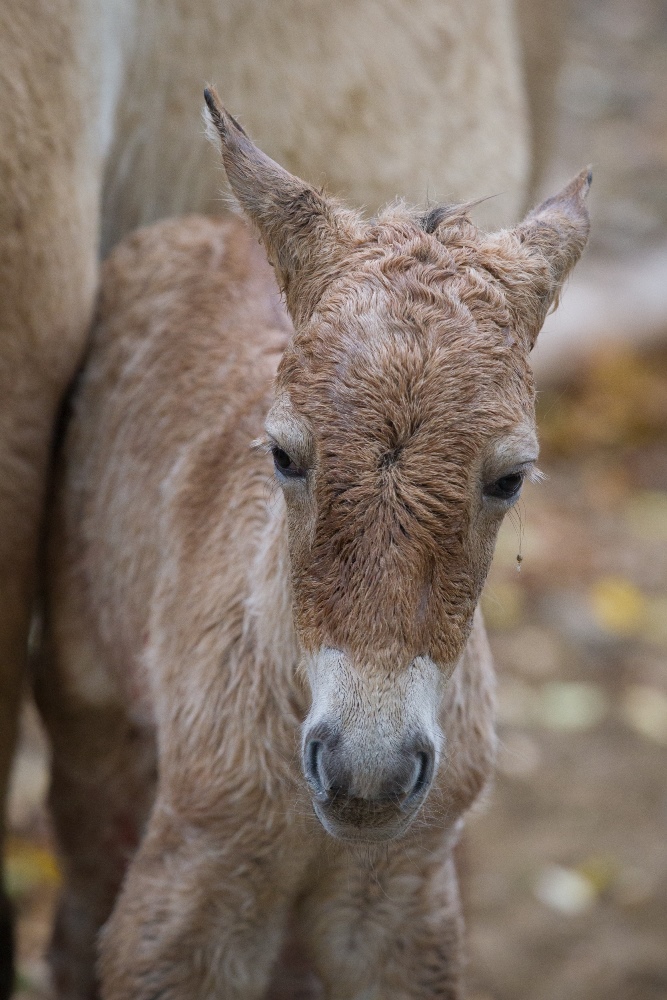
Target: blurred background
[565,862]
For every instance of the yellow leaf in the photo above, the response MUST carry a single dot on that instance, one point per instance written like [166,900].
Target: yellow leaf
[28,866]
[618,606]
[601,871]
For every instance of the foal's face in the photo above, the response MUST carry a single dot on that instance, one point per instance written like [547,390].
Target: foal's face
[402,431]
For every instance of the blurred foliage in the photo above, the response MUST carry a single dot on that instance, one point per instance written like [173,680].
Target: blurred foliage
[620,399]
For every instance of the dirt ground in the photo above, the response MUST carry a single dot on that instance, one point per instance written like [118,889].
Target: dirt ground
[566,861]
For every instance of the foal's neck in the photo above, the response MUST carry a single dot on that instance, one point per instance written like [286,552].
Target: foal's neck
[269,620]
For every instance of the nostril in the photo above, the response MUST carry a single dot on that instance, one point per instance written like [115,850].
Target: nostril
[422,777]
[423,768]
[313,768]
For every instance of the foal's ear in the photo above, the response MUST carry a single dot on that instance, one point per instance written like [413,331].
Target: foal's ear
[306,234]
[539,253]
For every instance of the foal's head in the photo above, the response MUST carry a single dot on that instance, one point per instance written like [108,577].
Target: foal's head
[402,430]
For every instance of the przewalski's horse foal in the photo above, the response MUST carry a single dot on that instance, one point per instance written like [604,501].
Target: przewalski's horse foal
[314,647]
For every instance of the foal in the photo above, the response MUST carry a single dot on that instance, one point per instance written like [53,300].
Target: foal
[280,702]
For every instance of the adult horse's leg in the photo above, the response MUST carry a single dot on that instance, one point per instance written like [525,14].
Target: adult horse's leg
[49,195]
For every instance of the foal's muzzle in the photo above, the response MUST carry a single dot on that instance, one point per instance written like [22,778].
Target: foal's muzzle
[371,741]
[366,799]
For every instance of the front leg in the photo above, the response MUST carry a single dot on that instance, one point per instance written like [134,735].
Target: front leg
[201,915]
[389,928]
[425,960]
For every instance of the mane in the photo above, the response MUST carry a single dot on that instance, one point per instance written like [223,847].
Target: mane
[447,216]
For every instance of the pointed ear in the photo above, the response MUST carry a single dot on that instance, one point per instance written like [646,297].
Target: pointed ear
[537,256]
[307,236]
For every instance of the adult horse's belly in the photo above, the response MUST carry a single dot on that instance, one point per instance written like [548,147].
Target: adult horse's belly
[433,89]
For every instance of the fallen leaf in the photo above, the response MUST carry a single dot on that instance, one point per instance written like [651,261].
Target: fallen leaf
[574,705]
[565,890]
[28,866]
[602,871]
[618,606]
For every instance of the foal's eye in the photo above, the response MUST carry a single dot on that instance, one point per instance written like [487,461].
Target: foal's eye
[284,464]
[507,487]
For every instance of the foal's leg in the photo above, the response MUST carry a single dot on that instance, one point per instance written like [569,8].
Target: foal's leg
[425,959]
[202,913]
[388,927]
